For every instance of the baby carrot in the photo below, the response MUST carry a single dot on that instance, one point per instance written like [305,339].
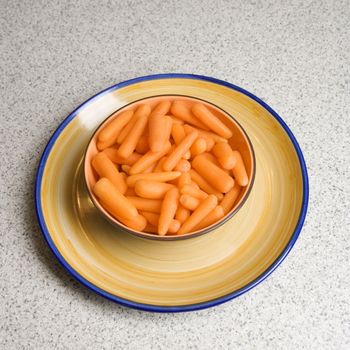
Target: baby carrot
[239,171]
[204,208]
[159,166]
[152,205]
[178,134]
[130,192]
[180,110]
[142,144]
[109,194]
[151,189]
[101,145]
[112,154]
[230,197]
[182,214]
[184,179]
[160,177]
[224,154]
[210,120]
[177,121]
[161,108]
[215,176]
[211,218]
[189,202]
[129,144]
[112,129]
[183,166]
[174,226]
[127,129]
[193,184]
[149,169]
[137,223]
[153,220]
[208,139]
[126,168]
[194,192]
[168,210]
[106,168]
[157,126]
[143,110]
[179,151]
[148,159]
[198,147]
[204,185]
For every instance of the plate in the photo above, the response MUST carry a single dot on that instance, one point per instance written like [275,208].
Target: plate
[177,275]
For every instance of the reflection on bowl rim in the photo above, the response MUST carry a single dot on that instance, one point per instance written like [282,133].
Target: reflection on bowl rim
[174,237]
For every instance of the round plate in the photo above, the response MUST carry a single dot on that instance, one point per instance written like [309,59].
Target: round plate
[179,275]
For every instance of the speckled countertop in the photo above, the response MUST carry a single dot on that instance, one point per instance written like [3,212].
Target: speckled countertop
[292,54]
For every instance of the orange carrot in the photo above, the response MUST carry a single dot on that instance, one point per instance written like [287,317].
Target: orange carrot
[204,208]
[143,110]
[157,126]
[101,145]
[150,169]
[159,165]
[194,192]
[142,144]
[127,129]
[182,214]
[162,108]
[151,189]
[126,168]
[224,154]
[110,195]
[179,151]
[152,205]
[210,137]
[178,134]
[198,147]
[211,121]
[160,177]
[177,121]
[112,154]
[211,218]
[184,179]
[215,176]
[174,226]
[230,197]
[153,220]
[148,159]
[106,168]
[112,129]
[180,110]
[183,165]
[168,210]
[137,223]
[189,202]
[204,185]
[194,184]
[239,172]
[129,144]
[130,192]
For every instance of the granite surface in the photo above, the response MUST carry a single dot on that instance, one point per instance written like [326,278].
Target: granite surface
[295,55]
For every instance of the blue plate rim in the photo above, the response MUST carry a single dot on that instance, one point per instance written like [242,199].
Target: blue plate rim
[179,308]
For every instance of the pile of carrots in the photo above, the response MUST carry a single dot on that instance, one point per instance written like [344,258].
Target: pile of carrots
[167,170]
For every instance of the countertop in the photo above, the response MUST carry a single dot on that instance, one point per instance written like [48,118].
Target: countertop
[294,55]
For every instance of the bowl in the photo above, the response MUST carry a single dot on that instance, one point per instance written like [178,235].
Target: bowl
[239,141]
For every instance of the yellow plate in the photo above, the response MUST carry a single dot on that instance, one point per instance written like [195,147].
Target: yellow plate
[179,275]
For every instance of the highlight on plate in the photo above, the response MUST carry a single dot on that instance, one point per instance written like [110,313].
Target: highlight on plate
[169,168]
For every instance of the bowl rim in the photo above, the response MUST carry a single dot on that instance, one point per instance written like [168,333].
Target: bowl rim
[189,235]
[178,308]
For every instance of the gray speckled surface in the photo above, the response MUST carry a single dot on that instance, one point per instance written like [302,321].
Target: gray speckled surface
[292,54]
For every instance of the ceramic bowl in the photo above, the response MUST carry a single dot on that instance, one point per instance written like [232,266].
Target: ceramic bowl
[239,141]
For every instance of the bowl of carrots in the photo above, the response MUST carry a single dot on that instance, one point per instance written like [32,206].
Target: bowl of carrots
[169,167]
